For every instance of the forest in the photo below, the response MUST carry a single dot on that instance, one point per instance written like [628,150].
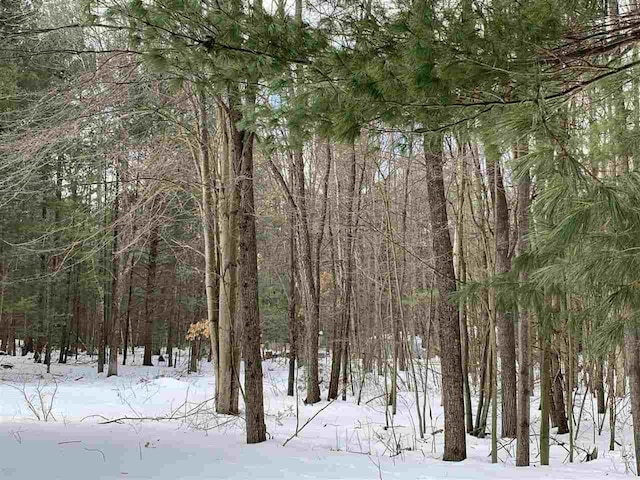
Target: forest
[402,229]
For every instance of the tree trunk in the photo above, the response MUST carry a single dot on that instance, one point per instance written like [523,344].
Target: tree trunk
[461,271]
[154,241]
[193,359]
[632,334]
[311,300]
[248,292]
[524,350]
[612,400]
[506,331]
[481,425]
[558,395]
[291,306]
[170,323]
[349,227]
[116,270]
[449,328]
[228,224]
[128,317]
[209,227]
[599,387]
[545,397]
[100,332]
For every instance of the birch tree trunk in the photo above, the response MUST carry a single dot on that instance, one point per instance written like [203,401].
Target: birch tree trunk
[208,217]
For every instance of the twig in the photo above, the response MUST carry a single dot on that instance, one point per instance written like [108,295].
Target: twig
[104,459]
[298,430]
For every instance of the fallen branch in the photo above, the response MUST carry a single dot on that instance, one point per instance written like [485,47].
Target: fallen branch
[298,430]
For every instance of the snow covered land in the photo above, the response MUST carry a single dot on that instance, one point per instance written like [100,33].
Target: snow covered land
[160,423]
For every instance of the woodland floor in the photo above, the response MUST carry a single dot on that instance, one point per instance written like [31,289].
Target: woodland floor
[65,426]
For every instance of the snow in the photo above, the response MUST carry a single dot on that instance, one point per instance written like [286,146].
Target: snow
[168,429]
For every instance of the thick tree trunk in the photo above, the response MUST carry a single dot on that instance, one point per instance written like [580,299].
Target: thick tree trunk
[248,292]
[449,327]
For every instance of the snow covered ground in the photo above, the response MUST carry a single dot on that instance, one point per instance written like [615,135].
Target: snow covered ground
[160,423]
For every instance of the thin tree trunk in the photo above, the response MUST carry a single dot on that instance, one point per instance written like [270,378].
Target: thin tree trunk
[612,400]
[524,349]
[149,300]
[570,377]
[506,332]
[558,395]
[348,274]
[209,228]
[493,379]
[481,425]
[545,397]
[600,387]
[292,302]
[114,337]
[128,318]
[227,223]
[632,334]
[461,271]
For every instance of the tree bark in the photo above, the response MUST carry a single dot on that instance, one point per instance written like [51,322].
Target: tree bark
[292,303]
[545,397]
[449,327]
[116,271]
[154,241]
[599,387]
[632,334]
[209,227]
[248,292]
[226,383]
[128,318]
[506,331]
[524,349]
[558,395]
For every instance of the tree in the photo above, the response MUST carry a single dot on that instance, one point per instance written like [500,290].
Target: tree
[449,327]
